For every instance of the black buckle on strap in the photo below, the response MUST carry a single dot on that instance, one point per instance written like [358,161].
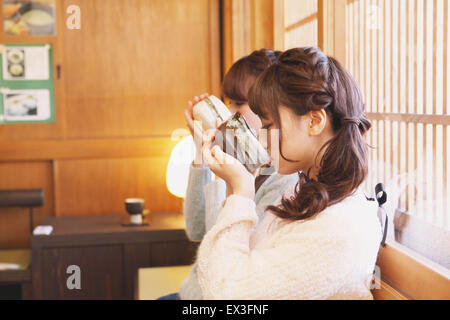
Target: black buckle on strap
[381,198]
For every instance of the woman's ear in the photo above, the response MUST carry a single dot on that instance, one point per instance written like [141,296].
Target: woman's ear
[317,121]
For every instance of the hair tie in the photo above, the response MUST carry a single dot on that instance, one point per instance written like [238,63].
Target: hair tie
[271,55]
[349,121]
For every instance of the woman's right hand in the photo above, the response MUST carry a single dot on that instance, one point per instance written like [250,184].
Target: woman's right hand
[196,130]
[238,180]
[189,112]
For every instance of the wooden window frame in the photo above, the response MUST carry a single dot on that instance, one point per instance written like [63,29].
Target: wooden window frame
[412,275]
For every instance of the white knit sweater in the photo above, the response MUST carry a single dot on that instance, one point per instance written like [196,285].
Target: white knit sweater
[203,202]
[331,256]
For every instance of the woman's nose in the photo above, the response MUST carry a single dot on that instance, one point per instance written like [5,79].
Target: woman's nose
[252,119]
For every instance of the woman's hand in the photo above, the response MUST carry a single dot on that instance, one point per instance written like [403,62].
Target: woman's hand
[196,130]
[237,178]
[189,113]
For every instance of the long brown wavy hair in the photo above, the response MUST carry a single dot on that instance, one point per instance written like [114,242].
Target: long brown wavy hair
[305,79]
[243,73]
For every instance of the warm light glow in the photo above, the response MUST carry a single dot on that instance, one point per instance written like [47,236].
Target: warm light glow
[178,167]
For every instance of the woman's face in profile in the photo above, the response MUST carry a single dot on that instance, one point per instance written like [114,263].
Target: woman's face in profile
[296,142]
[302,137]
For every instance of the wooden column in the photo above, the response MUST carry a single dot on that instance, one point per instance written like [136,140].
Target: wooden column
[248,25]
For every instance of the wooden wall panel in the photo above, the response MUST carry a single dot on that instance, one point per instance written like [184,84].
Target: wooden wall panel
[134,64]
[101,186]
[86,149]
[14,226]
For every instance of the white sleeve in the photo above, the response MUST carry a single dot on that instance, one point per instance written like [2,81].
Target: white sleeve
[194,202]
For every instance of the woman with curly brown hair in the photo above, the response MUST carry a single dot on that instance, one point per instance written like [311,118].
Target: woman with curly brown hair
[321,239]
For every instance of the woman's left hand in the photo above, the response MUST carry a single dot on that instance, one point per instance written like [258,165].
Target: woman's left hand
[228,168]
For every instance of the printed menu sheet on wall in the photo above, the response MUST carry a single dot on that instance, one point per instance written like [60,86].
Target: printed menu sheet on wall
[26,85]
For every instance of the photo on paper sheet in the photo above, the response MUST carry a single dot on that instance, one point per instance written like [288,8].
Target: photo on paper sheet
[29,17]
[26,63]
[15,64]
[27,105]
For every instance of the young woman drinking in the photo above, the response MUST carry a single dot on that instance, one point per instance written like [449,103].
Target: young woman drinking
[321,239]
[204,196]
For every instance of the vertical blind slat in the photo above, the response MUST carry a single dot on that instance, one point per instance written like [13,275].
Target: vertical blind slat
[420,165]
[374,57]
[439,174]
[403,71]
[429,56]
[395,56]
[361,48]
[368,52]
[411,138]
[416,57]
[348,41]
[356,16]
[434,57]
[445,57]
[380,33]
[374,85]
[402,55]
[420,57]
[387,53]
[446,140]
[445,175]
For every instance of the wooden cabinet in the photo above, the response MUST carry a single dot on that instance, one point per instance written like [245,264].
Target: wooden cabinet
[108,255]
[101,272]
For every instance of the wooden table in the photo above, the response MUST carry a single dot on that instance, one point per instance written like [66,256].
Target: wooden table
[20,276]
[107,254]
[160,281]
